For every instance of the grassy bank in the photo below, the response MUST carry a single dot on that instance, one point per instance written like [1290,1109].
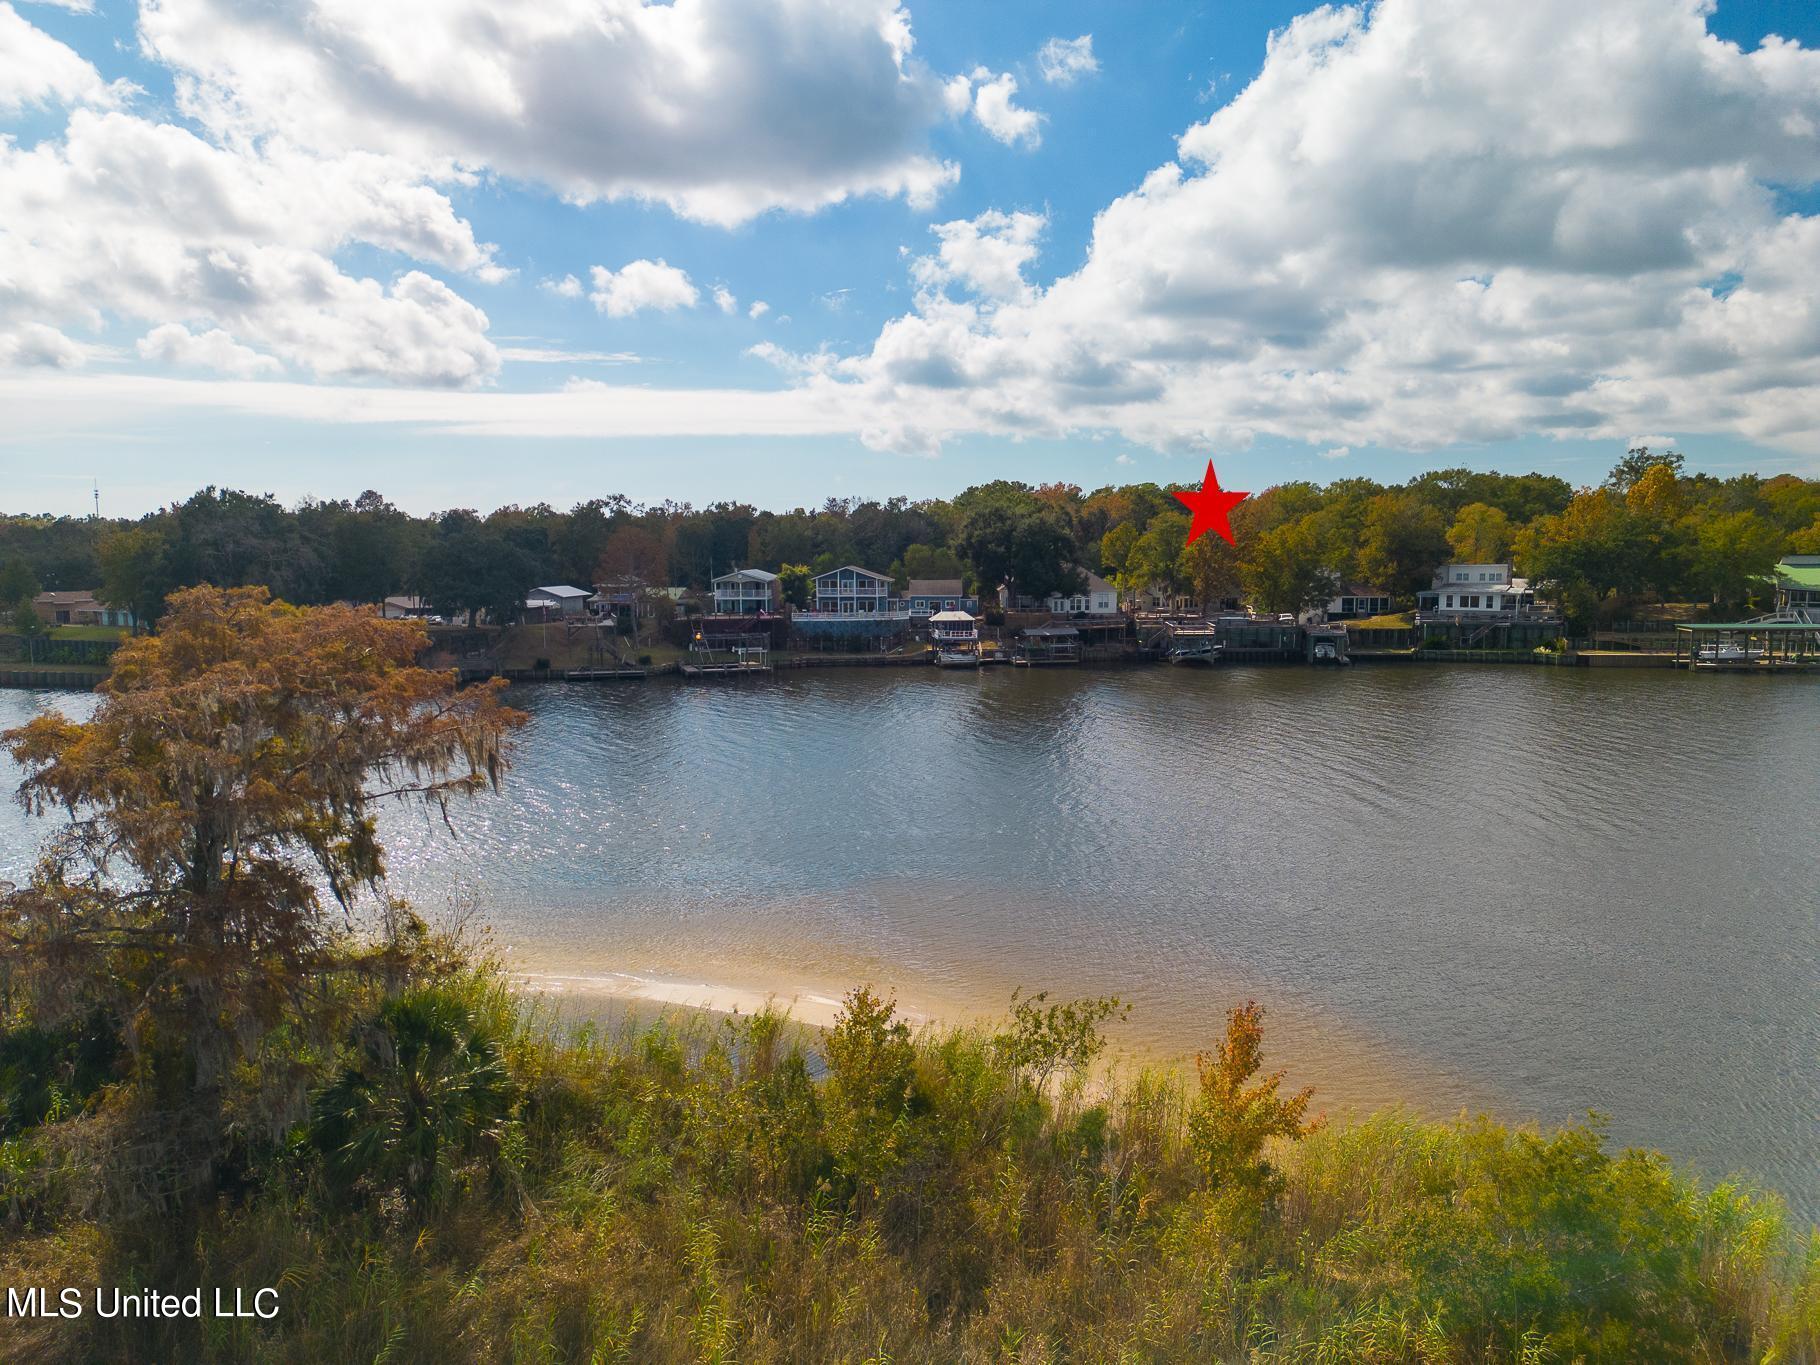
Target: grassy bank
[472,1184]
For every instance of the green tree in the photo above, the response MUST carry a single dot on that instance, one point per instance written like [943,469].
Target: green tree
[18,590]
[1115,549]
[1637,462]
[1283,571]
[1030,550]
[871,1083]
[1156,557]
[1403,541]
[134,572]
[796,583]
[1480,534]
[1733,556]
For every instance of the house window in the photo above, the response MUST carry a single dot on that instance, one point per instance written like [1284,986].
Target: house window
[1450,599]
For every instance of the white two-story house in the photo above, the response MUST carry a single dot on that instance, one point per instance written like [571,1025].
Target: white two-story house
[747,592]
[1476,590]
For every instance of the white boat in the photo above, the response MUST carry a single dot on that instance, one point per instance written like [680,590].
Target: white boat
[956,637]
[1711,656]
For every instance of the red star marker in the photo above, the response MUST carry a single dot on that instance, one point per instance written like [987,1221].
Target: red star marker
[1210,507]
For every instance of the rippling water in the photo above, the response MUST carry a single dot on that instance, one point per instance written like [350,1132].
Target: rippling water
[1537,891]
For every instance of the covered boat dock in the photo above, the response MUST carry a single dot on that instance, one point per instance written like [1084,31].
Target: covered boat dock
[1787,641]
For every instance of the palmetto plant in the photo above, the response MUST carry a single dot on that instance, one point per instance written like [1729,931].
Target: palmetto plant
[427,1090]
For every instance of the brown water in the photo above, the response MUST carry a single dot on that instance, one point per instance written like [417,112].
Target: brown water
[1531,890]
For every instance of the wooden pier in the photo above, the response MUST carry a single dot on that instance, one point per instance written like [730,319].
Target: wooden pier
[605,674]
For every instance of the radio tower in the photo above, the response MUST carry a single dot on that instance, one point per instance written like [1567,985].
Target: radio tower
[97,483]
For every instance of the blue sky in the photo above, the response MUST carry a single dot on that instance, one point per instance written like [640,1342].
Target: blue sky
[1395,239]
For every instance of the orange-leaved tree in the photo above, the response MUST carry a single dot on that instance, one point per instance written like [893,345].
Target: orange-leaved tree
[227,780]
[1236,1114]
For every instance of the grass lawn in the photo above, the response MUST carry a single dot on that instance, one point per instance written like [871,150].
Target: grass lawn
[523,646]
[89,632]
[1394,621]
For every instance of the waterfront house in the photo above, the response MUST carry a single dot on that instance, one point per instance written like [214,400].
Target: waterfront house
[557,600]
[926,596]
[1478,592]
[1798,584]
[79,607]
[1354,602]
[747,592]
[1096,598]
[851,590]
[406,609]
[1163,600]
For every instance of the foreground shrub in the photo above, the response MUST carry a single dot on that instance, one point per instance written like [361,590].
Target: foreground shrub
[425,1089]
[689,1191]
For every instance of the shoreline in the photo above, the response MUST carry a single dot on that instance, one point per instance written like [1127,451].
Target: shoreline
[41,680]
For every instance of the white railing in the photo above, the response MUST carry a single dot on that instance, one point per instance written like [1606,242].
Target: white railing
[889,614]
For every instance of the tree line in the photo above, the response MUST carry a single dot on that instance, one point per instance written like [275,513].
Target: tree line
[1651,532]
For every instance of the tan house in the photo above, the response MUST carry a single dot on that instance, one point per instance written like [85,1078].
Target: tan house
[79,607]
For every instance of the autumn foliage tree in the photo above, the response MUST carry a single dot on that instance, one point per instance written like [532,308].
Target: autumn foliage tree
[221,804]
[1237,1113]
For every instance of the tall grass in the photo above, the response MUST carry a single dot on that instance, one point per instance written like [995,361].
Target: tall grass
[746,1190]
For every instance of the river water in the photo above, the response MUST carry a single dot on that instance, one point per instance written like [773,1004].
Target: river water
[1532,891]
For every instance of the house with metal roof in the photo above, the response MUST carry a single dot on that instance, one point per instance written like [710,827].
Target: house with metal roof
[1798,584]
[557,599]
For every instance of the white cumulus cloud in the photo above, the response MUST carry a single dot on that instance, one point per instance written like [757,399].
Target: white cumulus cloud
[174,344]
[641,285]
[121,218]
[1063,61]
[995,106]
[1422,223]
[720,109]
[986,254]
[724,300]
[36,69]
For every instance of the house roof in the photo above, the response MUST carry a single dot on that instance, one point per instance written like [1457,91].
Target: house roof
[408,603]
[750,575]
[70,598]
[1800,571]
[1094,582]
[856,569]
[954,617]
[562,590]
[934,587]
